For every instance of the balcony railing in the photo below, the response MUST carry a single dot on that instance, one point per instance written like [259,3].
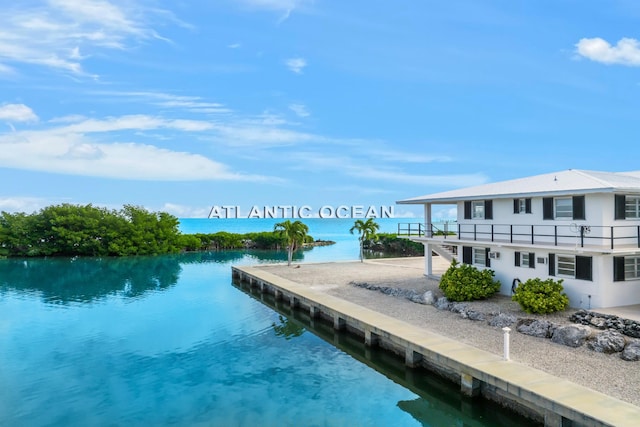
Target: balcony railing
[622,236]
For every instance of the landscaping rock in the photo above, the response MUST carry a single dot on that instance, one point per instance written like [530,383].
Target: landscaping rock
[442,303]
[631,352]
[535,328]
[607,342]
[458,307]
[572,335]
[475,315]
[429,298]
[502,320]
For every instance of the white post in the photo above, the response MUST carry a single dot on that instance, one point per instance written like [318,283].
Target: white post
[506,343]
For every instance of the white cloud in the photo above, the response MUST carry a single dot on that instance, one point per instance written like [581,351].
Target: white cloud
[625,52]
[300,110]
[182,211]
[60,34]
[17,113]
[296,64]
[72,149]
[234,45]
[22,204]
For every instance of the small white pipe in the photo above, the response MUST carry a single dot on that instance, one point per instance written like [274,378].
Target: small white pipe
[506,343]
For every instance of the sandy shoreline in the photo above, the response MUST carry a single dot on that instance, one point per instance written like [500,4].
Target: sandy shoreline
[604,373]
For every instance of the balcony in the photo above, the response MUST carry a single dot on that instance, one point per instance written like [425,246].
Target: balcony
[574,235]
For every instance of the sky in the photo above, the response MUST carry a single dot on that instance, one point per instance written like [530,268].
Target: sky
[179,106]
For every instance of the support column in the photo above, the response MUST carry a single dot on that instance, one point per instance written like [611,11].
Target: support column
[551,419]
[412,358]
[338,323]
[427,220]
[370,338]
[294,302]
[314,311]
[428,261]
[469,386]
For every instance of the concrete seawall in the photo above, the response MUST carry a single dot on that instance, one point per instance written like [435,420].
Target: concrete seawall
[554,401]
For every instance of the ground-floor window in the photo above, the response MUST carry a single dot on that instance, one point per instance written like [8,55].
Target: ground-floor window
[476,256]
[525,259]
[578,267]
[626,268]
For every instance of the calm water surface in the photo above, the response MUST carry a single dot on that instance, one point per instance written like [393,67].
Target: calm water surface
[171,341]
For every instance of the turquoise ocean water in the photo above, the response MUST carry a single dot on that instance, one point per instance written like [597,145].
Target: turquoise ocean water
[171,341]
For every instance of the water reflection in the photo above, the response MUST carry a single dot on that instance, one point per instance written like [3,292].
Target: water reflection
[84,280]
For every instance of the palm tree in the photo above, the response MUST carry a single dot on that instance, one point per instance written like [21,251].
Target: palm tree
[294,234]
[367,230]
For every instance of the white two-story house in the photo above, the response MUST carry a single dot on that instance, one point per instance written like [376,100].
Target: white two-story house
[579,226]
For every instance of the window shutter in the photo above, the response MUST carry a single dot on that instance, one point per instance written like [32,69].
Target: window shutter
[620,202]
[527,205]
[547,208]
[578,207]
[552,264]
[618,268]
[516,206]
[467,255]
[517,259]
[487,260]
[532,260]
[584,268]
[467,210]
[488,209]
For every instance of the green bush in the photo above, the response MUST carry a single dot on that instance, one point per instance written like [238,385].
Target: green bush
[541,296]
[463,282]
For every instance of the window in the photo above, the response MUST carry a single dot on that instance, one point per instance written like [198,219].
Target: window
[563,207]
[579,267]
[476,256]
[525,259]
[477,210]
[521,206]
[632,207]
[626,268]
[566,265]
[480,257]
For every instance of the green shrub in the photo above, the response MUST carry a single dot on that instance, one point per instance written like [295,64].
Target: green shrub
[463,282]
[541,296]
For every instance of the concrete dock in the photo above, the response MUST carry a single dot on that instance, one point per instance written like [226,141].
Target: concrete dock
[553,400]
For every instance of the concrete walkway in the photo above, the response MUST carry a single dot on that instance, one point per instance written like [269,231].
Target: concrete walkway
[631,312]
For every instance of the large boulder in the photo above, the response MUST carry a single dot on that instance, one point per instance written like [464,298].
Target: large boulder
[572,335]
[535,327]
[631,352]
[607,342]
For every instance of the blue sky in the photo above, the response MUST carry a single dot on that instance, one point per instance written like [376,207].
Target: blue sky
[182,105]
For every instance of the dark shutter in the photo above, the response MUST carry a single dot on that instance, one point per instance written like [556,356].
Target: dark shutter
[552,264]
[467,255]
[620,203]
[532,260]
[578,207]
[517,259]
[547,208]
[527,205]
[467,210]
[516,206]
[584,268]
[618,268]
[487,260]
[488,209]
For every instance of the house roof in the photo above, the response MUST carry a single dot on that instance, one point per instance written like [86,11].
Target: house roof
[568,182]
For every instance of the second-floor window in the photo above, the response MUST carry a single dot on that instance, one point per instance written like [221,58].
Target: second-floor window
[632,207]
[563,207]
[478,209]
[521,206]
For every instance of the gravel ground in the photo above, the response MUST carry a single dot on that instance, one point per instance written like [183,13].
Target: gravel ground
[605,373]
